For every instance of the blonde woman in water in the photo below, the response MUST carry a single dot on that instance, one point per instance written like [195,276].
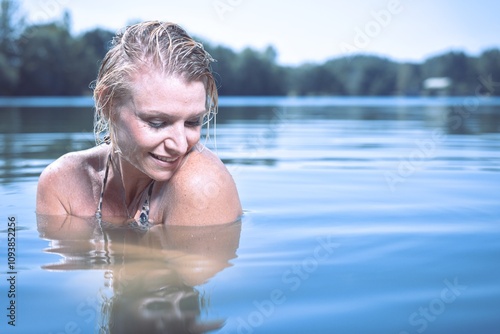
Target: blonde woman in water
[153,93]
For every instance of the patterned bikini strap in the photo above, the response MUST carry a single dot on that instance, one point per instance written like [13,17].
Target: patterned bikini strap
[144,216]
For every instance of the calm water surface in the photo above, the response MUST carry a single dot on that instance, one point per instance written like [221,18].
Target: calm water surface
[361,216]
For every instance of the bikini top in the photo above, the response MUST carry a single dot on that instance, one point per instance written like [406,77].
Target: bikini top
[143,217]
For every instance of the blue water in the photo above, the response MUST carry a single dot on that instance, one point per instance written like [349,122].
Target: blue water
[361,216]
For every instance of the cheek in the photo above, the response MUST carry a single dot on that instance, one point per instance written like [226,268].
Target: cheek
[193,136]
[131,137]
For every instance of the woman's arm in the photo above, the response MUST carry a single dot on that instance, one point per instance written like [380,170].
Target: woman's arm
[48,197]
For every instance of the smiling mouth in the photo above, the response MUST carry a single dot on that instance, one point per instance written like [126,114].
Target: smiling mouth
[164,159]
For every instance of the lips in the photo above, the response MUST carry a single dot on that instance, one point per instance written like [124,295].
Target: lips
[164,159]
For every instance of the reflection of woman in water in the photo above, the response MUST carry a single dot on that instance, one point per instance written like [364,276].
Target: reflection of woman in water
[153,93]
[153,273]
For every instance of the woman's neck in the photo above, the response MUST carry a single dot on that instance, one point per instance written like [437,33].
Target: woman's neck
[132,180]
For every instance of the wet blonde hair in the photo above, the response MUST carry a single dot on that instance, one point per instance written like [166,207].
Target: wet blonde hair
[160,46]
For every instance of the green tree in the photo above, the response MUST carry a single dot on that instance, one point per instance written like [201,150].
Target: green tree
[408,80]
[93,46]
[258,73]
[44,60]
[366,75]
[55,63]
[456,66]
[98,40]
[224,69]
[11,21]
[313,79]
[489,71]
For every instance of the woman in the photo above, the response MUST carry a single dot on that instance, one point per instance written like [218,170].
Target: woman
[153,93]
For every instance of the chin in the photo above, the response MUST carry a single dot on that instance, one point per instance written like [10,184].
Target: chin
[160,176]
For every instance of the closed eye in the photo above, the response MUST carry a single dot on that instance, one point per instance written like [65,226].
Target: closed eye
[157,125]
[161,122]
[194,122]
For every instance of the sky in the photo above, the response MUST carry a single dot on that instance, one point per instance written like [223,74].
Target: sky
[302,31]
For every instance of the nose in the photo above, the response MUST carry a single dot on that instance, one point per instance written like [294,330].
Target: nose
[176,140]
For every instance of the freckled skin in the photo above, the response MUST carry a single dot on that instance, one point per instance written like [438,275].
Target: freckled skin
[157,132]
[162,117]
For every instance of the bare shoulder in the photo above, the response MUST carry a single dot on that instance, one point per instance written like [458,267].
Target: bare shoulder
[202,192]
[66,186]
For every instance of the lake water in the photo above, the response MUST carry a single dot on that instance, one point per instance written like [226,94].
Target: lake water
[361,216]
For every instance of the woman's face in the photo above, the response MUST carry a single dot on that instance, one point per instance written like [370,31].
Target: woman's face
[160,123]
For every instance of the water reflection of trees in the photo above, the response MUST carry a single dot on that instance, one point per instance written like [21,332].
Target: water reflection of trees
[460,120]
[152,273]
[30,138]
[453,118]
[46,120]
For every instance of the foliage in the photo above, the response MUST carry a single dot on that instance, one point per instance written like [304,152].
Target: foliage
[248,73]
[9,33]
[46,59]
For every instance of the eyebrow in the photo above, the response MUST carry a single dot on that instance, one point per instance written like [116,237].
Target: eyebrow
[162,114]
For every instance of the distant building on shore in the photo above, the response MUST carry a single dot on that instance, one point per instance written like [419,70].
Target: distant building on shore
[437,86]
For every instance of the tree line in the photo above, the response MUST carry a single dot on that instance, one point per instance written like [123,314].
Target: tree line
[47,60]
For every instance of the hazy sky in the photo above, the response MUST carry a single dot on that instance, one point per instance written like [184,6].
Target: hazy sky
[301,31]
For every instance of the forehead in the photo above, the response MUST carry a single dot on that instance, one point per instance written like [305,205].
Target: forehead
[157,91]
